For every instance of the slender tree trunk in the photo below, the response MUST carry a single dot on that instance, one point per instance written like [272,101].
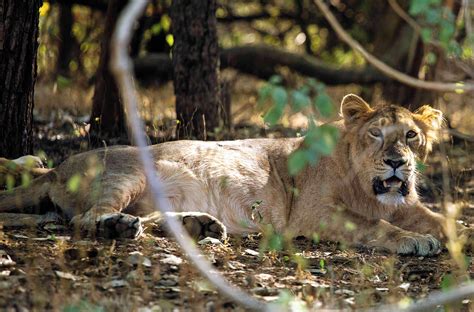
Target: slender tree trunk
[66,40]
[108,116]
[196,68]
[18,46]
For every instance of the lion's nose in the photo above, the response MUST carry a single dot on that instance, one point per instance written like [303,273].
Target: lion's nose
[395,163]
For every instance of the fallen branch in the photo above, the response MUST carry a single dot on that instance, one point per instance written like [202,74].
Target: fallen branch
[263,62]
[121,66]
[458,87]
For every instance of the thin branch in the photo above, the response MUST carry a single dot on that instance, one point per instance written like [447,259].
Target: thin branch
[407,18]
[410,21]
[121,66]
[458,87]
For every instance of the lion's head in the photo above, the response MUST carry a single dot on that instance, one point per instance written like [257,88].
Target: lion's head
[384,145]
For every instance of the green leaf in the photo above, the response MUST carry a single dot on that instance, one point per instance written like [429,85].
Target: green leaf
[420,166]
[447,282]
[430,58]
[279,97]
[322,263]
[426,34]
[25,179]
[275,242]
[63,82]
[74,183]
[324,105]
[273,115]
[299,100]
[297,161]
[275,79]
[263,93]
[433,16]
[446,32]
[10,181]
[418,6]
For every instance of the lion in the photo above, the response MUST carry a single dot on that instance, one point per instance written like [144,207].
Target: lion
[364,193]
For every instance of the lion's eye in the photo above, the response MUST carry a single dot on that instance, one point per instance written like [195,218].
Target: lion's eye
[411,134]
[375,132]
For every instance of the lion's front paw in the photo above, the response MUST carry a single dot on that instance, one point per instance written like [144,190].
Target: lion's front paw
[418,245]
[119,225]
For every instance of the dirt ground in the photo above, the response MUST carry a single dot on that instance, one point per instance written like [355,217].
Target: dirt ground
[49,269]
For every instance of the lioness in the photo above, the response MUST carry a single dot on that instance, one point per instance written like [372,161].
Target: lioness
[369,182]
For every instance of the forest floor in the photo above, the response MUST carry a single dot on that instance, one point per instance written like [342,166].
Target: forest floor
[49,269]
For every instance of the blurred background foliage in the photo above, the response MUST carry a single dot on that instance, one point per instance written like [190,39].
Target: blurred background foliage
[427,39]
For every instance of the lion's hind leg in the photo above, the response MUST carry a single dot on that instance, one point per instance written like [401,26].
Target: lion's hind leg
[199,225]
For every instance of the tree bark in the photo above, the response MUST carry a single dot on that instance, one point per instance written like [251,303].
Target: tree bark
[107,121]
[66,40]
[196,68]
[18,47]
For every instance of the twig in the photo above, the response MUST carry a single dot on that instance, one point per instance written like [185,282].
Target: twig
[429,303]
[410,21]
[121,66]
[458,87]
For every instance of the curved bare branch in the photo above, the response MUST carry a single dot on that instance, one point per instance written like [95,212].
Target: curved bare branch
[458,87]
[121,66]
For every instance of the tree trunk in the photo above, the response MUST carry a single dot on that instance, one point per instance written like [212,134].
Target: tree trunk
[196,68]
[66,40]
[108,122]
[18,46]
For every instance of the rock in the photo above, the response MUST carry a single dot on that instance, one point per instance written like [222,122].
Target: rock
[172,260]
[263,277]
[404,286]
[345,292]
[137,258]
[115,284]
[210,241]
[5,259]
[264,291]
[252,252]
[66,275]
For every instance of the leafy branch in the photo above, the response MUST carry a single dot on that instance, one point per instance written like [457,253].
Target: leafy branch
[312,100]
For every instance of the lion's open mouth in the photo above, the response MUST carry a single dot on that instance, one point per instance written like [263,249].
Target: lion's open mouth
[391,184]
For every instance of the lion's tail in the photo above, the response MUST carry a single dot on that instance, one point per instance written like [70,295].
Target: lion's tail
[21,197]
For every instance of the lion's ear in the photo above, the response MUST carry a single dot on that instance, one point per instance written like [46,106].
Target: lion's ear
[430,116]
[353,107]
[430,121]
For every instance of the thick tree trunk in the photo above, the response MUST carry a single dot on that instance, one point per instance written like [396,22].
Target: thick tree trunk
[108,122]
[18,46]
[196,68]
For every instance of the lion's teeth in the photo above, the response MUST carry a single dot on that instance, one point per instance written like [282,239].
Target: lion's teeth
[385,184]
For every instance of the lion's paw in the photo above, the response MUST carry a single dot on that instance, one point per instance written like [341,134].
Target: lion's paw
[119,225]
[200,225]
[418,245]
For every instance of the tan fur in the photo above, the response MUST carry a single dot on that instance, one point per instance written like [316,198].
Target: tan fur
[334,199]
